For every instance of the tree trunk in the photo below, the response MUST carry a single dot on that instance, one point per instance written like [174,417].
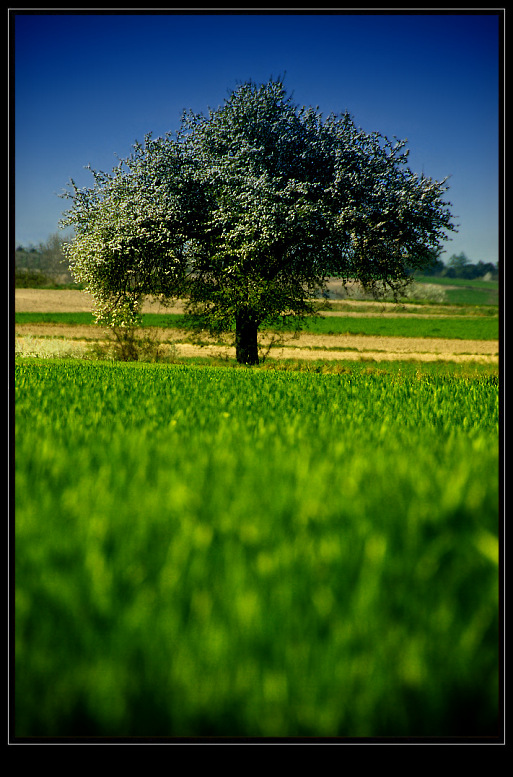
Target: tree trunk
[246,331]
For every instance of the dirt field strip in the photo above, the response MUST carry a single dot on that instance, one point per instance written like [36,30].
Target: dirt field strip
[74,301]
[71,301]
[186,349]
[52,301]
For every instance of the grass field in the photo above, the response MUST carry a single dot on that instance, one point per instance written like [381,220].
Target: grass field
[203,551]
[465,292]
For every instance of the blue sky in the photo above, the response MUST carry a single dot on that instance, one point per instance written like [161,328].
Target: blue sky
[87,86]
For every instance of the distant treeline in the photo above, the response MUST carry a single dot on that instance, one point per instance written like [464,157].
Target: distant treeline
[42,266]
[459,266]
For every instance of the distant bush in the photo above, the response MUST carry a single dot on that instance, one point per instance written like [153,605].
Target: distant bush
[27,278]
[412,291]
[426,292]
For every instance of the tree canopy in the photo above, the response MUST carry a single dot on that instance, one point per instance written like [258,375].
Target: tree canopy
[245,213]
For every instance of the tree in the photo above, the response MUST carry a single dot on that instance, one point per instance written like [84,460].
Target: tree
[42,266]
[458,266]
[51,253]
[246,213]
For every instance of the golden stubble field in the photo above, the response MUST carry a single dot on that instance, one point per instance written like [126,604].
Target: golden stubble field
[305,346]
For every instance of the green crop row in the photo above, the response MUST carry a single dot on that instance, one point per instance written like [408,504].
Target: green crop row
[213,552]
[460,328]
[478,328]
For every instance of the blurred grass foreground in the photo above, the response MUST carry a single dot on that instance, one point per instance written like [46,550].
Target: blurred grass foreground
[238,553]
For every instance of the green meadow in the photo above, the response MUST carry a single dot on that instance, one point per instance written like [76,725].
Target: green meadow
[462,291]
[203,551]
